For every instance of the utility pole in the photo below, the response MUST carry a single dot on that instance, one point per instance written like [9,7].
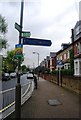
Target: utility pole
[18,85]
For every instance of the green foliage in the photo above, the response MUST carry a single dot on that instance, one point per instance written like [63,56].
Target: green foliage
[43,70]
[47,70]
[3,30]
[71,59]
[23,68]
[3,25]
[11,62]
[55,72]
[68,72]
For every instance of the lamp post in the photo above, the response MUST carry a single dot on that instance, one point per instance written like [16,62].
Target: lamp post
[38,62]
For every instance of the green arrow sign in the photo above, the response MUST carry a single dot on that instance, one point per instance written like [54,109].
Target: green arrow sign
[18,27]
[26,34]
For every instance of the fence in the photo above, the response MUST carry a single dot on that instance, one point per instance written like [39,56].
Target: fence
[7,99]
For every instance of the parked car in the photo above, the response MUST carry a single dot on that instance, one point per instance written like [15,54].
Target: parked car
[5,76]
[13,75]
[30,76]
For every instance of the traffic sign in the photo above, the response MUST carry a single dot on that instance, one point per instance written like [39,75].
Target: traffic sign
[19,50]
[18,45]
[26,34]
[18,27]
[35,41]
[60,62]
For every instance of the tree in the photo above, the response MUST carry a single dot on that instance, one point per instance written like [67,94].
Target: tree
[3,30]
[11,61]
[23,67]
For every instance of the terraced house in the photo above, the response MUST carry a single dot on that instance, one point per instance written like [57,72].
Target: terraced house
[64,56]
[77,48]
[69,57]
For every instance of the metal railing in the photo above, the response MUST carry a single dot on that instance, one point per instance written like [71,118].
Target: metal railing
[7,99]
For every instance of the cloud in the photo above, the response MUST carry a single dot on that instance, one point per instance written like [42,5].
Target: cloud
[47,19]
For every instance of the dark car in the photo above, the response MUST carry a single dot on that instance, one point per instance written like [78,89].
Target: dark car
[13,75]
[5,76]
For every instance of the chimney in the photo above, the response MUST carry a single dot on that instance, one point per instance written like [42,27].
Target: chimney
[72,35]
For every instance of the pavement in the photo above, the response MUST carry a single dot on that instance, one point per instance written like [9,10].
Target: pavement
[37,106]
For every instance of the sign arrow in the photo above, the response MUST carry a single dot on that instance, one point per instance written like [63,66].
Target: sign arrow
[18,27]
[36,41]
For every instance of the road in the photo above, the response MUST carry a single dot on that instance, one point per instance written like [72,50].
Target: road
[13,81]
[7,85]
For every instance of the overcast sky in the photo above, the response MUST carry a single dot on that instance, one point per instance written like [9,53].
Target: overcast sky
[48,19]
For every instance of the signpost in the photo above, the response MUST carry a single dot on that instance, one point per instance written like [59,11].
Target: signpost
[18,27]
[35,41]
[24,40]
[60,65]
[26,34]
[18,85]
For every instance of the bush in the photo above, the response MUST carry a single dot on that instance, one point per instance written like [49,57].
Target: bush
[55,72]
[67,72]
[64,72]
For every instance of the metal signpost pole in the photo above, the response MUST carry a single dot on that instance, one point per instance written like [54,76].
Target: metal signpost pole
[18,86]
[38,66]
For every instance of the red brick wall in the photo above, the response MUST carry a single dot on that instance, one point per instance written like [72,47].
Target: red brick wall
[69,82]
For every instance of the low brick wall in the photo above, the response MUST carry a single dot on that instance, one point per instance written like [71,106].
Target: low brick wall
[70,82]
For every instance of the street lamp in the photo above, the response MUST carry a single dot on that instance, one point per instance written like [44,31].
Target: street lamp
[38,62]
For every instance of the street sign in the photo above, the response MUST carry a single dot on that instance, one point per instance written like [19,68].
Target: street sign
[18,27]
[18,45]
[60,62]
[19,50]
[26,34]
[35,41]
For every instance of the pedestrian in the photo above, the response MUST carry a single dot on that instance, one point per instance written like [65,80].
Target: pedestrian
[35,81]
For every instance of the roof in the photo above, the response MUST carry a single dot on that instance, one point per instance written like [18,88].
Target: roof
[77,24]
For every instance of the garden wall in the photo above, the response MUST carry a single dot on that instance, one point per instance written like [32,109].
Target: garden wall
[70,82]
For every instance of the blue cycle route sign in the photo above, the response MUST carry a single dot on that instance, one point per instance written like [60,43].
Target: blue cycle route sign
[19,50]
[36,41]
[60,62]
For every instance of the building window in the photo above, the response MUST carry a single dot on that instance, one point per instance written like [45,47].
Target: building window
[65,56]
[60,57]
[68,54]
[78,30]
[80,47]
[76,68]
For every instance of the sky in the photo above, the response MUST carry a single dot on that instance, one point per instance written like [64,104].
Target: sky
[45,19]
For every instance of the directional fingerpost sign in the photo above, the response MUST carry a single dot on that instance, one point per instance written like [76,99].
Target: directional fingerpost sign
[18,50]
[26,34]
[35,41]
[18,27]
